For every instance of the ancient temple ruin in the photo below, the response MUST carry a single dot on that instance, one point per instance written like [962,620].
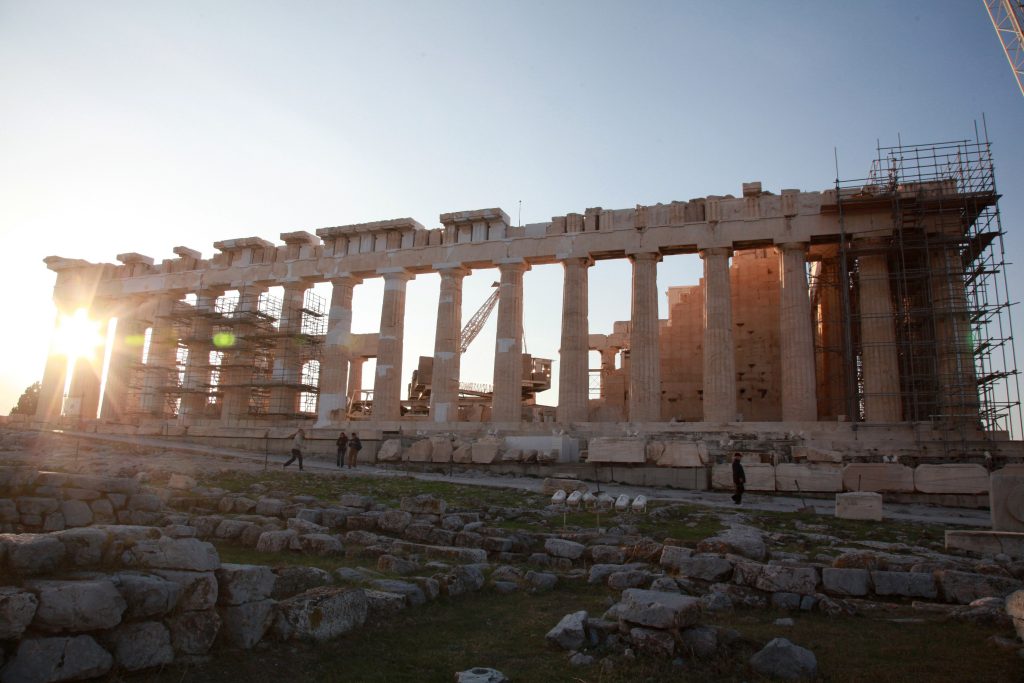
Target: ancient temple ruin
[876,309]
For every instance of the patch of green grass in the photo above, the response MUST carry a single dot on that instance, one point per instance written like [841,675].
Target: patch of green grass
[686,523]
[238,554]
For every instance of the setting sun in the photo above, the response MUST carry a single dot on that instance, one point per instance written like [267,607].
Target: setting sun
[77,335]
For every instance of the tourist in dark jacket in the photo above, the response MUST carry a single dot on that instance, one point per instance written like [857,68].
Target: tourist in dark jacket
[739,478]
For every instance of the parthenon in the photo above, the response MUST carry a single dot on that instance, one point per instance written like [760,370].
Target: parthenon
[823,313]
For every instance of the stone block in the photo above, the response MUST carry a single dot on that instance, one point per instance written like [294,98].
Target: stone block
[321,545]
[193,633]
[173,553]
[423,504]
[878,477]
[485,453]
[616,449]
[146,596]
[37,506]
[772,578]
[966,587]
[809,477]
[292,580]
[657,609]
[560,547]
[83,547]
[1006,500]
[988,543]
[17,609]
[817,455]
[198,589]
[739,540]
[905,584]
[413,594]
[420,451]
[846,582]
[244,625]
[571,632]
[278,541]
[760,477]
[951,478]
[48,660]
[241,583]
[441,449]
[141,645]
[1015,610]
[321,614]
[32,554]
[859,506]
[390,451]
[181,482]
[76,606]
[683,454]
[76,513]
[703,567]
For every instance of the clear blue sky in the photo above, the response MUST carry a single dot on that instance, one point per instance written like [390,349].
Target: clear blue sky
[138,125]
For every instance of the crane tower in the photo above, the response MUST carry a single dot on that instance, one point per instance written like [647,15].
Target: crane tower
[1008,17]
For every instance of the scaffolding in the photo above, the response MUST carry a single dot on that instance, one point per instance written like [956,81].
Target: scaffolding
[256,356]
[941,262]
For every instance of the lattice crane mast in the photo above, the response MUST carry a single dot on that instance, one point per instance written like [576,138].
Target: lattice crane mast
[1008,17]
[479,319]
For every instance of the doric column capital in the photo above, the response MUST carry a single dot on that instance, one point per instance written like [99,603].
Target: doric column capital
[644,256]
[716,251]
[345,279]
[395,274]
[451,270]
[577,262]
[512,265]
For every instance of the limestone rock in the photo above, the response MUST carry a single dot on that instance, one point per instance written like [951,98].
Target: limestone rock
[76,606]
[291,581]
[907,584]
[541,581]
[382,605]
[606,554]
[859,505]
[966,587]
[460,580]
[244,625]
[32,554]
[394,521]
[76,513]
[1014,608]
[241,583]
[631,578]
[846,582]
[181,482]
[321,545]
[423,504]
[704,567]
[145,502]
[47,660]
[17,608]
[194,632]
[783,660]
[198,589]
[441,449]
[83,547]
[463,454]
[560,547]
[321,614]
[878,477]
[570,632]
[173,553]
[740,540]
[146,596]
[485,452]
[278,541]
[652,641]
[956,478]
[658,610]
[389,451]
[141,645]
[413,594]
[616,450]
[419,451]
[700,641]
[302,526]
[480,675]
[269,507]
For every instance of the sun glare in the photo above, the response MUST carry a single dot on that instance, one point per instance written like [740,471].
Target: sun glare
[78,336]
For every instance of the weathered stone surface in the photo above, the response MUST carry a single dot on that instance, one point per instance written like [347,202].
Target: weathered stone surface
[278,541]
[672,556]
[739,540]
[397,565]
[321,614]
[181,482]
[241,583]
[441,449]
[146,596]
[631,578]
[657,609]
[480,675]
[382,605]
[1006,499]
[198,589]
[951,478]
[173,553]
[1015,610]
[859,505]
[269,507]
[412,593]
[783,660]
[760,477]
[102,511]
[560,547]
[653,642]
[463,454]
[460,580]
[302,526]
[76,513]
[48,660]
[389,451]
[321,545]
[907,584]
[966,587]
[193,633]
[616,449]
[419,451]
[704,567]
[878,477]
[244,625]
[17,608]
[700,641]
[606,554]
[39,507]
[394,521]
[76,606]
[681,454]
[570,633]
[141,645]
[423,504]
[846,582]
[291,581]
[808,477]
[485,452]
[83,547]
[8,511]
[816,454]
[32,554]
[987,543]
[145,502]
[440,552]
[231,529]
[335,518]
[772,578]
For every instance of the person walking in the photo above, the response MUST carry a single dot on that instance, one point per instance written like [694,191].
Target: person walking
[342,444]
[354,446]
[298,440]
[739,478]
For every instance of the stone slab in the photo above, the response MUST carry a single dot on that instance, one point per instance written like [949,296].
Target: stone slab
[566,448]
[878,477]
[1006,500]
[859,505]
[951,478]
[614,449]
[987,543]
[683,454]
[760,477]
[816,478]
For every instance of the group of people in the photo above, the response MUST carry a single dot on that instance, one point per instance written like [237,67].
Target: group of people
[347,447]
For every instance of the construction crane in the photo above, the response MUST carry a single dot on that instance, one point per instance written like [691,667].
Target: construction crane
[1008,17]
[479,319]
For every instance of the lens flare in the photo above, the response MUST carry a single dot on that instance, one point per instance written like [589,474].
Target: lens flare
[77,335]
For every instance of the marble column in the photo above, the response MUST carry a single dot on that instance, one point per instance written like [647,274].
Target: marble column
[573,369]
[237,366]
[444,388]
[287,372]
[355,379]
[125,361]
[796,336]
[387,383]
[197,368]
[954,349]
[644,352]
[161,372]
[831,368]
[507,404]
[51,389]
[87,375]
[881,369]
[337,351]
[608,355]
[719,351]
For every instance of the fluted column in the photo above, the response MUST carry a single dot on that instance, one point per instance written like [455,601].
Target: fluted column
[831,369]
[444,388]
[237,366]
[878,340]
[355,379]
[197,366]
[796,336]
[337,351]
[287,372]
[573,370]
[607,368]
[719,351]
[954,349]
[387,383]
[161,360]
[125,359]
[644,352]
[507,404]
